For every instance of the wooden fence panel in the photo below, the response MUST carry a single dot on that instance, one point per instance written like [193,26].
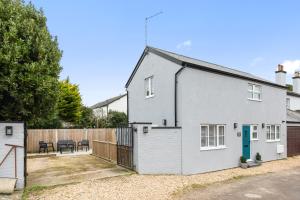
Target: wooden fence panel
[53,135]
[105,150]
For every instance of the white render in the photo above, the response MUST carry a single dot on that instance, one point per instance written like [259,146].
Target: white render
[203,97]
[7,169]
[119,105]
[296,85]
[280,77]
[157,152]
[294,102]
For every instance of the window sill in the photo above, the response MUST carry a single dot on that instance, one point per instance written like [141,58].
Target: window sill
[212,148]
[258,100]
[254,139]
[150,96]
[270,141]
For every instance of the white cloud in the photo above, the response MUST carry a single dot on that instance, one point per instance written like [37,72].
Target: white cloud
[185,44]
[290,66]
[256,60]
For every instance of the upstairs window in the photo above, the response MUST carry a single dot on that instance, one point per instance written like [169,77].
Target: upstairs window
[254,92]
[149,87]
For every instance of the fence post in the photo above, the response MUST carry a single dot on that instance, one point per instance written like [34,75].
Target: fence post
[55,136]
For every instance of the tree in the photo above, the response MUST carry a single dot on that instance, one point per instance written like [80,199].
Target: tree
[87,118]
[116,119]
[69,102]
[29,63]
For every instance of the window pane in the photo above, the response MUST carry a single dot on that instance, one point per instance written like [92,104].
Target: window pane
[254,128]
[268,132]
[250,95]
[273,132]
[212,135]
[254,135]
[221,135]
[204,136]
[151,85]
[250,87]
[256,96]
[277,132]
[257,89]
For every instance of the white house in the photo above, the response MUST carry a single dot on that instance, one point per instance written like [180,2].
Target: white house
[192,116]
[118,103]
[293,111]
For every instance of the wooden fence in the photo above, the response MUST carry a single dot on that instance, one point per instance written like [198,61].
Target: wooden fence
[102,141]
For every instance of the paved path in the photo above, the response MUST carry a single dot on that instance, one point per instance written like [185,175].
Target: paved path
[283,185]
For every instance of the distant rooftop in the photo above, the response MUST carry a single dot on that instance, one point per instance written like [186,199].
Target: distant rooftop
[107,102]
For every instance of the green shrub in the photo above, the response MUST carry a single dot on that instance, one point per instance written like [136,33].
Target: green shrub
[243,159]
[258,157]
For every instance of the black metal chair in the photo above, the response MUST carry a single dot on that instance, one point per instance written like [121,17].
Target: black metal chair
[83,144]
[43,146]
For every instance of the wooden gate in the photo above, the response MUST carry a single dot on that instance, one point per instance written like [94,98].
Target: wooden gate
[293,140]
[125,147]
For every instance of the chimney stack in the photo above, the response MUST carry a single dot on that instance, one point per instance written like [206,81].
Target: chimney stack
[280,75]
[296,82]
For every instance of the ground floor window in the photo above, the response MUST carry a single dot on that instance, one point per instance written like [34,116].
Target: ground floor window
[254,132]
[273,132]
[212,136]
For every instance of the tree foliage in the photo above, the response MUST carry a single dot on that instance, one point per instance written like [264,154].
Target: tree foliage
[87,118]
[29,63]
[116,119]
[69,102]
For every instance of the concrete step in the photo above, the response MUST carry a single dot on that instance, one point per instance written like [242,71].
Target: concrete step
[7,185]
[252,164]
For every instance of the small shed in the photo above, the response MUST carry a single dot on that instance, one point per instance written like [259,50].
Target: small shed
[293,133]
[13,154]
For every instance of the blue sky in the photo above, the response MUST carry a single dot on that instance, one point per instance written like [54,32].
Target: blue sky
[102,40]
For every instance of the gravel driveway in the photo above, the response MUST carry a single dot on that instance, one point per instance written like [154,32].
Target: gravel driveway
[155,187]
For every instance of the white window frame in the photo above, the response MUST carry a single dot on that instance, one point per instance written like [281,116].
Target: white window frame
[253,91]
[149,87]
[252,131]
[277,133]
[217,146]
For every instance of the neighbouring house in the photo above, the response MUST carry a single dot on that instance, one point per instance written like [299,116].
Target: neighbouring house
[118,103]
[191,116]
[293,111]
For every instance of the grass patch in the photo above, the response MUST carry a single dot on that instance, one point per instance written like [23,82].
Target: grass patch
[38,189]
[33,189]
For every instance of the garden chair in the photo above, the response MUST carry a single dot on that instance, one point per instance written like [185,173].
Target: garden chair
[83,144]
[43,146]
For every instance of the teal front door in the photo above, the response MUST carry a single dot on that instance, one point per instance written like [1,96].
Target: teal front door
[246,141]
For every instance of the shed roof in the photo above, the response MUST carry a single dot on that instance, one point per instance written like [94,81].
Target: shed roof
[107,102]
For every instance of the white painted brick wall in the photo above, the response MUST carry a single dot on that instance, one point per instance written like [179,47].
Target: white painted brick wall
[158,151]
[8,169]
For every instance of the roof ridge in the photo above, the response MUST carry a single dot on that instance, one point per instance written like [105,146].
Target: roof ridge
[200,60]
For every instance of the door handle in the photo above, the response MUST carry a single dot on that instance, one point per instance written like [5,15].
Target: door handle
[245,145]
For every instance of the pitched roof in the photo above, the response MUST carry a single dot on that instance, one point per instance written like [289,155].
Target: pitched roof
[201,65]
[107,102]
[292,116]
